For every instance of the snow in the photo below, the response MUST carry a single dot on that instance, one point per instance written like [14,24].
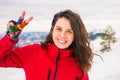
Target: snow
[11,74]
[109,67]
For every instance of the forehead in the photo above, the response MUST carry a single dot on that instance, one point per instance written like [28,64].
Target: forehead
[63,22]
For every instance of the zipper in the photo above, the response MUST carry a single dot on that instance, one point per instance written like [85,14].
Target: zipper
[49,72]
[57,59]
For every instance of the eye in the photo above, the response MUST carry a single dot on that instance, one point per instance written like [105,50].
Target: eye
[58,29]
[70,31]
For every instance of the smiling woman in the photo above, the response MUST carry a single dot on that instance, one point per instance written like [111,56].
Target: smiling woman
[64,55]
[62,33]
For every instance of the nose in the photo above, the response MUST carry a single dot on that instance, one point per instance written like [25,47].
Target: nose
[63,34]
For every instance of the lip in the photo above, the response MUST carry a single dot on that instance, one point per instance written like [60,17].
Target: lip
[62,41]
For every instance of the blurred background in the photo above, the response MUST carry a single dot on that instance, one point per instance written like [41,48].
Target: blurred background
[97,15]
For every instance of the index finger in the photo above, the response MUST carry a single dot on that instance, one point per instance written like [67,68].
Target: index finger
[21,18]
[23,15]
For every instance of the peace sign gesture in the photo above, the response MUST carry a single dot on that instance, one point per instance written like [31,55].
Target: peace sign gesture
[14,28]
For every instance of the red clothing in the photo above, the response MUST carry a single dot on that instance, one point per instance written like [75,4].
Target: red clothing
[40,63]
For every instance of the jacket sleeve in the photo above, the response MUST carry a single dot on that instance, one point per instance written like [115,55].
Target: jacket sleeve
[13,57]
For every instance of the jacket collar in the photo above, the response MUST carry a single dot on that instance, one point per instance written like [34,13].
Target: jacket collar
[54,50]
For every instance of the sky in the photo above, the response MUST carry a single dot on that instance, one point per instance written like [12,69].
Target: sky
[94,13]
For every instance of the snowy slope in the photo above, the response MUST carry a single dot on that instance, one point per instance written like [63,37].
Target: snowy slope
[109,67]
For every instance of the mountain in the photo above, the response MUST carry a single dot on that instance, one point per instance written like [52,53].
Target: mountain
[30,38]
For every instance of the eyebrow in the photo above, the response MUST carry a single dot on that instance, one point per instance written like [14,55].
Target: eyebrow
[61,27]
[57,26]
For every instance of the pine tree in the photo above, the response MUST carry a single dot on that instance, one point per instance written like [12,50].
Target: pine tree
[108,38]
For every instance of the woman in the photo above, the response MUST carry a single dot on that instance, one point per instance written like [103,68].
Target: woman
[64,55]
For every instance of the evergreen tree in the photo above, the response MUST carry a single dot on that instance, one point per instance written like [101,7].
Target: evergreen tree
[108,38]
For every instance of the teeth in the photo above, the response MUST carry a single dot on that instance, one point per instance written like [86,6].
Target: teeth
[61,41]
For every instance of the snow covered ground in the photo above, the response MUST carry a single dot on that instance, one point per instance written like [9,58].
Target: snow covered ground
[109,67]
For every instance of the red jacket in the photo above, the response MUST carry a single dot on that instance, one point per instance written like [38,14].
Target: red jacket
[40,63]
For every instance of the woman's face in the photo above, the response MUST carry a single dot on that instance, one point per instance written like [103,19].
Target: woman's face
[62,33]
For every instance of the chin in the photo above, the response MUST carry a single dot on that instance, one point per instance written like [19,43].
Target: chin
[62,47]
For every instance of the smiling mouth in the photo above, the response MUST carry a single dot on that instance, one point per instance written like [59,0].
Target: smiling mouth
[62,41]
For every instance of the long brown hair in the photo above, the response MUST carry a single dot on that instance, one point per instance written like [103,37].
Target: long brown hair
[81,44]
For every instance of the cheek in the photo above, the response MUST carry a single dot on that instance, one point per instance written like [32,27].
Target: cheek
[72,38]
[54,35]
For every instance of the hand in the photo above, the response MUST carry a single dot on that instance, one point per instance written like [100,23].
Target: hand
[14,28]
